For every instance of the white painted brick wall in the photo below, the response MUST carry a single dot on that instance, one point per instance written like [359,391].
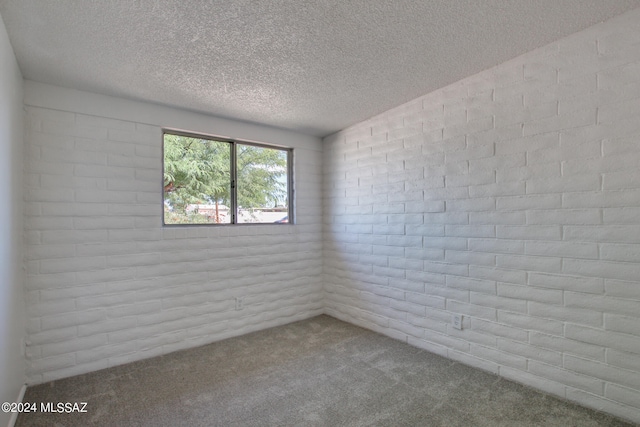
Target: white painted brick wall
[519,189]
[106,284]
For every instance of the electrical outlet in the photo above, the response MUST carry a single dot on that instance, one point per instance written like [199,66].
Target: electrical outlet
[239,303]
[456,321]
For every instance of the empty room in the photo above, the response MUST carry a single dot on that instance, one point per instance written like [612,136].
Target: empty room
[323,213]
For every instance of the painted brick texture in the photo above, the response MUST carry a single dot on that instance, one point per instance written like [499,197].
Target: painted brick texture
[106,284]
[513,198]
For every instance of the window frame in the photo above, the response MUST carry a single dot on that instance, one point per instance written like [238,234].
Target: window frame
[234,142]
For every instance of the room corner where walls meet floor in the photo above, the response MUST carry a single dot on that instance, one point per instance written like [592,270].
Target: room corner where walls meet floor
[319,371]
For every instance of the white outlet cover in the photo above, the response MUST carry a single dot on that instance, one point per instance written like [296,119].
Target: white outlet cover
[456,321]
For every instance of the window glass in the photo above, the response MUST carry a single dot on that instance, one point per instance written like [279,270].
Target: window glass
[262,184]
[209,181]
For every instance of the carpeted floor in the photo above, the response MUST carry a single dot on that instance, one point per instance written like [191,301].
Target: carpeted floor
[317,372]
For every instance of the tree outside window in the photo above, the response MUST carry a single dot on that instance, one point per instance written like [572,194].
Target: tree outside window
[209,181]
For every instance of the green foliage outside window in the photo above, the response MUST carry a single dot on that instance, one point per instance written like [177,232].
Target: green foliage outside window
[198,176]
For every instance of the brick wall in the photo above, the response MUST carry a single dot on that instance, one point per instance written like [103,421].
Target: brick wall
[106,284]
[513,198]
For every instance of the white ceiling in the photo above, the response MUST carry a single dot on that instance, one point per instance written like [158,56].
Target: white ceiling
[313,66]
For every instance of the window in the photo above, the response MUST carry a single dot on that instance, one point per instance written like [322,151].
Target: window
[216,181]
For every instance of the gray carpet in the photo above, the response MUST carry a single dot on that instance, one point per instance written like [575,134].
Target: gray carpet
[317,372]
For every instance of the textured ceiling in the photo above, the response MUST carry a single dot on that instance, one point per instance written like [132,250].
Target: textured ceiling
[310,66]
